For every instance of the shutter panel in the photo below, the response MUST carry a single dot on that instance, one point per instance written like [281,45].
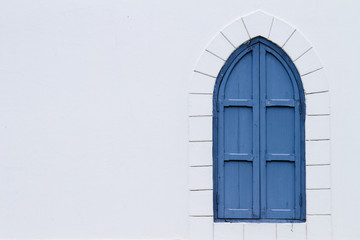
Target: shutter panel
[280,138]
[238,146]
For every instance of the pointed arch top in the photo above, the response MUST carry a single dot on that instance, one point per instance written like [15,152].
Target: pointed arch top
[234,57]
[261,24]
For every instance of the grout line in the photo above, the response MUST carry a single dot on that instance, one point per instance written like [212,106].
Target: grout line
[272,22]
[195,93]
[201,216]
[302,54]
[200,190]
[318,189]
[243,231]
[200,116]
[321,164]
[319,214]
[316,140]
[288,38]
[214,55]
[201,166]
[311,72]
[213,230]
[276,231]
[246,28]
[306,236]
[324,91]
[318,114]
[227,39]
[195,141]
[204,74]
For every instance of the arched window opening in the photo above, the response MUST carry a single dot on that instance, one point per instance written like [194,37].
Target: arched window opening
[259,137]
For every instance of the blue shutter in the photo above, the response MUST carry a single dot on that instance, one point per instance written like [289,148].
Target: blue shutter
[238,165]
[280,138]
[259,165]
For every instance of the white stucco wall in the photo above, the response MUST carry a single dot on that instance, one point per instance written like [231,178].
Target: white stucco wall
[93,111]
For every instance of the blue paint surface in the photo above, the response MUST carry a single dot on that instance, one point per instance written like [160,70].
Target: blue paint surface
[259,149]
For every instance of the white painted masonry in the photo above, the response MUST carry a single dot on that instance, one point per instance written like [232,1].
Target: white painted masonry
[317,128]
[99,135]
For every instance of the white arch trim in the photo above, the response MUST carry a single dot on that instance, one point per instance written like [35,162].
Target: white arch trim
[317,130]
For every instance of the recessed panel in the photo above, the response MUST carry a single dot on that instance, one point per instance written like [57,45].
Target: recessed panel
[239,84]
[238,130]
[278,82]
[280,130]
[280,194]
[238,185]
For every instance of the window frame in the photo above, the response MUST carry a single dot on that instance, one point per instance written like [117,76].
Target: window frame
[219,79]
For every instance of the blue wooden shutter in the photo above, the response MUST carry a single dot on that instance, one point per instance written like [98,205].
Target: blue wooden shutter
[259,136]
[238,165]
[280,138]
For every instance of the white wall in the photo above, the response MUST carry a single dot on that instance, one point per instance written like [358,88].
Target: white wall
[93,111]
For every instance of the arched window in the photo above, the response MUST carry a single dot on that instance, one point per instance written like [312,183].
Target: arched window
[259,148]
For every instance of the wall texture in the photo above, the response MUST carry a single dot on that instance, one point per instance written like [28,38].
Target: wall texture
[93,111]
